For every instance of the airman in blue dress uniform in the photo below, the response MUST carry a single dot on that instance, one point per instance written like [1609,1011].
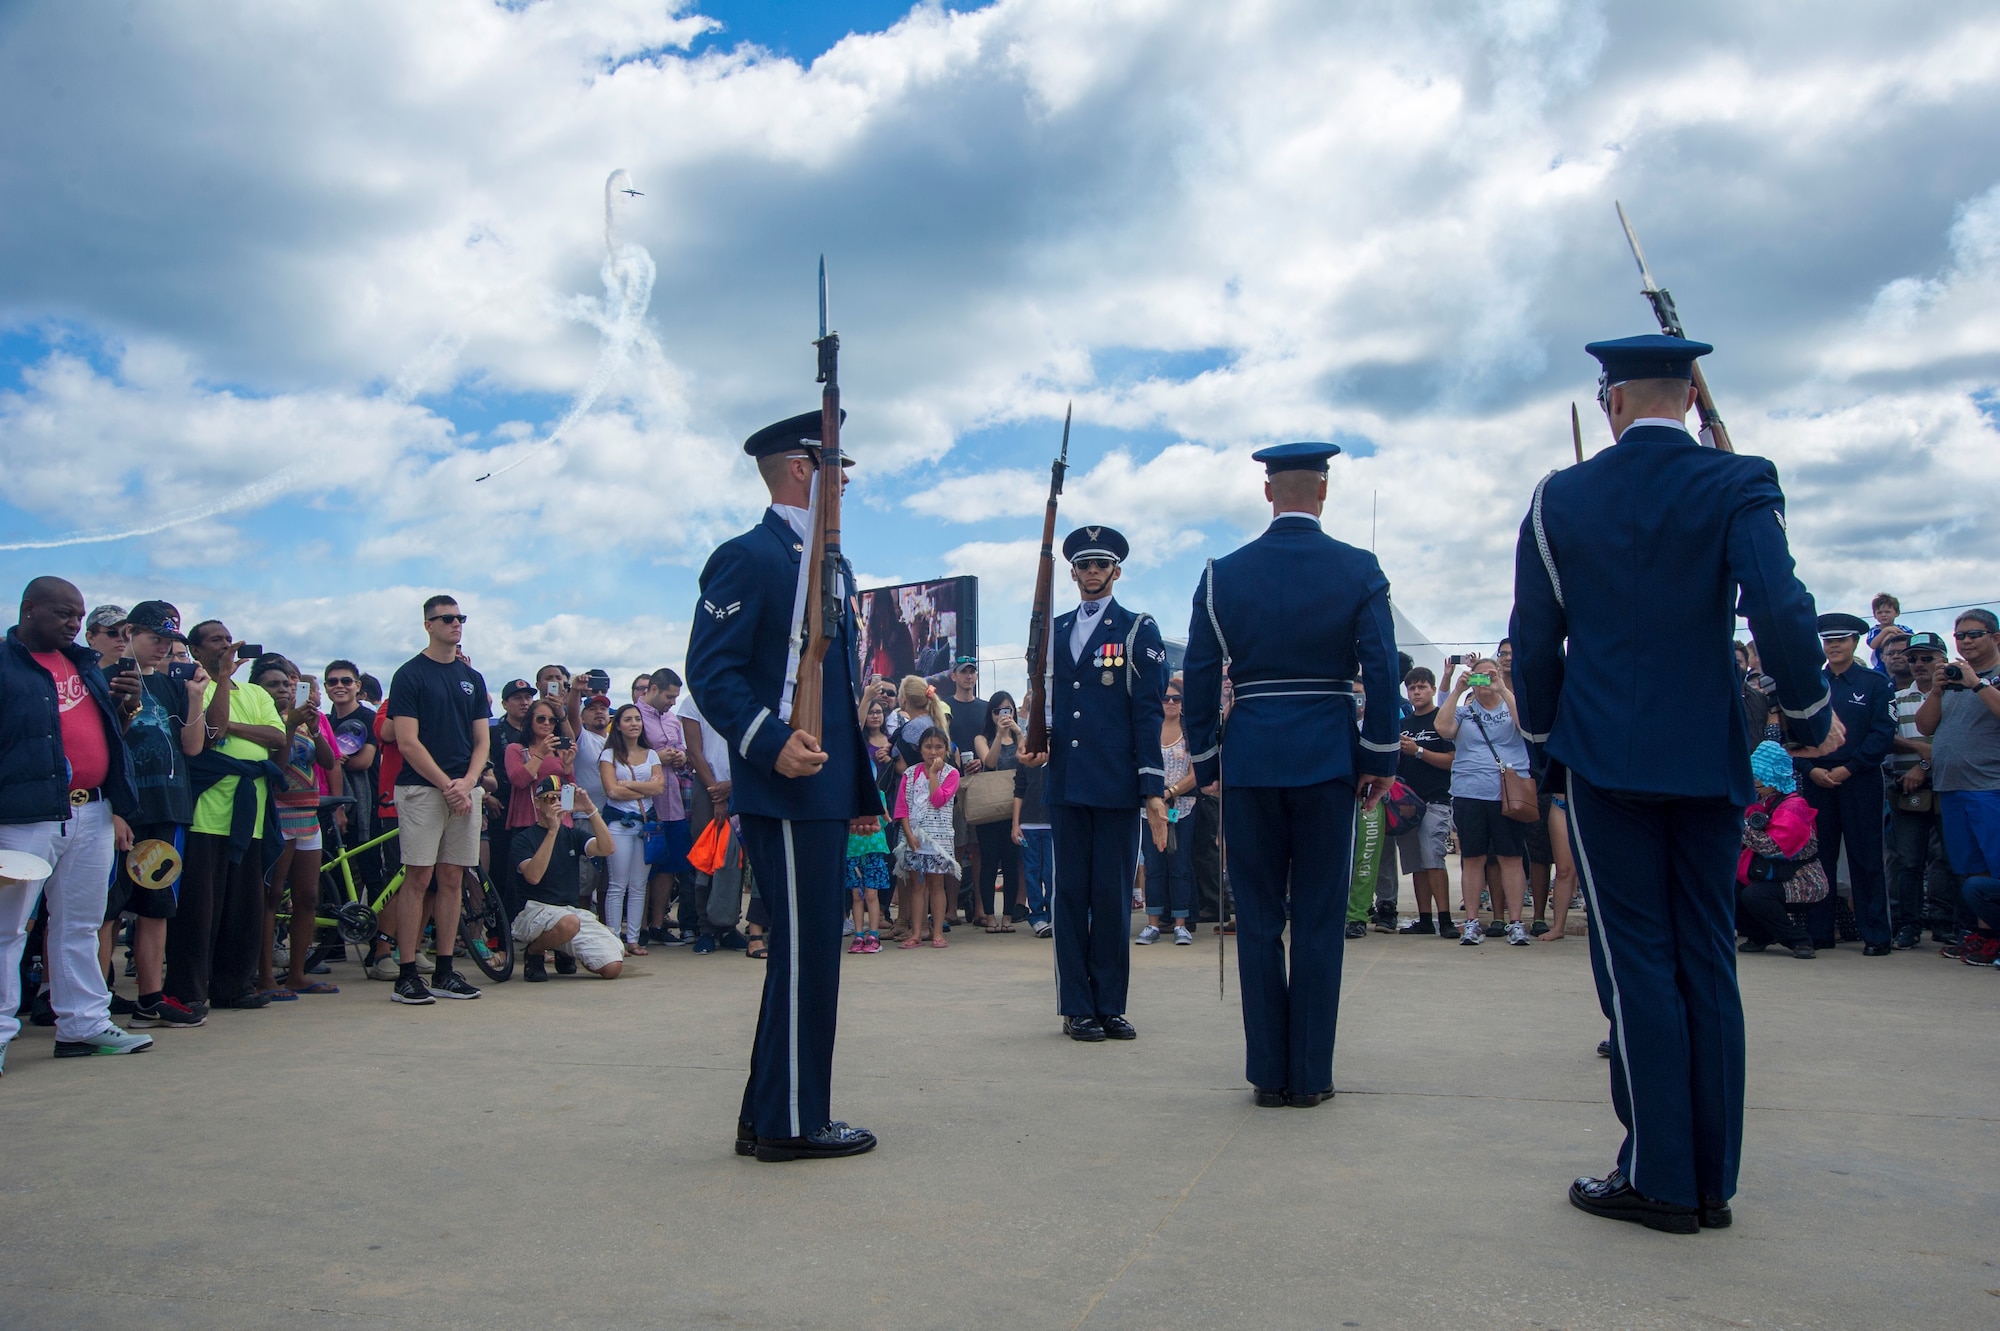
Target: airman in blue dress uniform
[1294,615]
[1660,540]
[1845,787]
[794,797]
[1107,679]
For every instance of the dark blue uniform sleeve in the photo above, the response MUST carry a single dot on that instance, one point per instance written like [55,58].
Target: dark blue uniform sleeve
[719,653]
[1149,686]
[1201,690]
[1782,618]
[1375,649]
[1538,629]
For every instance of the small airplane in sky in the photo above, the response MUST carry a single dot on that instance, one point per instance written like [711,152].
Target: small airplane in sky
[634,193]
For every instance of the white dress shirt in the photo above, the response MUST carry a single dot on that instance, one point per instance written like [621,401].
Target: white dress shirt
[1086,624]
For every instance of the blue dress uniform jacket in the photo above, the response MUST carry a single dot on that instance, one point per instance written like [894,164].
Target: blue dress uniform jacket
[1851,813]
[1297,612]
[794,828]
[1655,541]
[1104,723]
[1104,762]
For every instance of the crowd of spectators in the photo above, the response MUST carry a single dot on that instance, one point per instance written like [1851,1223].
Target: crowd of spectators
[180,790]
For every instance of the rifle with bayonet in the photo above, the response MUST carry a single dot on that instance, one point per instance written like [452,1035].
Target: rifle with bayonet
[1038,614]
[824,604]
[1670,323]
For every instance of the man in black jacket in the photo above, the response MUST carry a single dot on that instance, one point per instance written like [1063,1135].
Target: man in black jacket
[65,788]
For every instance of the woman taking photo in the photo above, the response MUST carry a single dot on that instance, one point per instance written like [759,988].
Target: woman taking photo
[1490,744]
[633,774]
[1170,872]
[997,747]
[547,752]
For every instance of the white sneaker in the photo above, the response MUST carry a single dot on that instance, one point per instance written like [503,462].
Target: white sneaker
[1149,934]
[1182,938]
[384,967]
[1469,935]
[1517,933]
[847,927]
[110,1040]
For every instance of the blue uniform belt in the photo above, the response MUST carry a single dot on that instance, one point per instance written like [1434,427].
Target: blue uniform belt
[1293,688]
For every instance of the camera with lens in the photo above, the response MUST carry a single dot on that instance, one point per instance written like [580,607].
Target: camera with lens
[1954,677]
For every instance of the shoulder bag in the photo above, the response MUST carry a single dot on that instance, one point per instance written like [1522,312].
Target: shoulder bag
[1519,800]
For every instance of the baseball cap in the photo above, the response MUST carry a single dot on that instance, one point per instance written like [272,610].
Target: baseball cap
[1927,642]
[106,616]
[515,686]
[597,700]
[548,785]
[157,617]
[964,661]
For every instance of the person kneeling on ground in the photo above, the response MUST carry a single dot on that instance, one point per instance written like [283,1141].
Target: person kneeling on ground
[549,856]
[1779,865]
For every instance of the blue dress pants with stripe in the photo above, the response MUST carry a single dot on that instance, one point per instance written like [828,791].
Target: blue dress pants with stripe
[1851,814]
[1659,877]
[1296,842]
[1096,865]
[799,867]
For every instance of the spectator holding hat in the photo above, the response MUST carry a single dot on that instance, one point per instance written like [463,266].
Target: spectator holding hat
[1778,864]
[1844,786]
[65,788]
[165,733]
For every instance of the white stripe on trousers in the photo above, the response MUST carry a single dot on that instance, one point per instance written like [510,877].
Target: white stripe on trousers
[792,987]
[1624,1050]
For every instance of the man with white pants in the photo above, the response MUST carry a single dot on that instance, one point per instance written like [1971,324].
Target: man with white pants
[64,778]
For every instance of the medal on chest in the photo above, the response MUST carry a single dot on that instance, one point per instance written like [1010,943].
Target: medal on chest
[1109,657]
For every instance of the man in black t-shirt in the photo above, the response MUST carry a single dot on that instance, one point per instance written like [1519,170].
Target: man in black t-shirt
[165,731]
[549,859]
[1425,767]
[360,759]
[968,710]
[439,706]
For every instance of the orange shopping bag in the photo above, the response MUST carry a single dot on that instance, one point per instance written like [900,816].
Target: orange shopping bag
[711,848]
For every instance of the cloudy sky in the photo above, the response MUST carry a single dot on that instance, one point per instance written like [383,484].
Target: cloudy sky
[279,282]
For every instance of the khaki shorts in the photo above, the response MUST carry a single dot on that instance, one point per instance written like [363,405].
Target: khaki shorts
[431,832]
[594,946]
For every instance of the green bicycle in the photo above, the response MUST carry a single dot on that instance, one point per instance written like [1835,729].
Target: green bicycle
[483,924]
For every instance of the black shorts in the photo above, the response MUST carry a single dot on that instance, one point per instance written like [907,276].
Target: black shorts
[148,903]
[1484,830]
[1537,839]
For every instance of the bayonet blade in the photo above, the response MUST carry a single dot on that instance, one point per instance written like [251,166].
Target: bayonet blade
[1638,255]
[822,296]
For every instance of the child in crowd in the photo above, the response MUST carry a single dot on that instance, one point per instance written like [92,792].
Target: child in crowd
[1780,864]
[867,880]
[1885,608]
[924,806]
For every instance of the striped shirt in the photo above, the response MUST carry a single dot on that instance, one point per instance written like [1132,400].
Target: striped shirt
[1905,705]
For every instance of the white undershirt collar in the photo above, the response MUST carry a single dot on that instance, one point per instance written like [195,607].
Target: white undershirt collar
[1659,420]
[795,518]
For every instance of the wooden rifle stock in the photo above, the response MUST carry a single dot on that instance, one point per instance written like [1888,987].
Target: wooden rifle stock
[1039,611]
[825,605]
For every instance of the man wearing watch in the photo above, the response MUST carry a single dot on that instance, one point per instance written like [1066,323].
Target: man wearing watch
[1845,787]
[1961,714]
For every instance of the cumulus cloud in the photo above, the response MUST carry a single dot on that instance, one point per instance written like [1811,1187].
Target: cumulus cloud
[365,229]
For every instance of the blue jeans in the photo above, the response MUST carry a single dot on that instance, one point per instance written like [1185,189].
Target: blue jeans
[1038,865]
[1170,873]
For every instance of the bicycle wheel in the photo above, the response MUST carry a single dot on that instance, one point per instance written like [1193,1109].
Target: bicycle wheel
[484,928]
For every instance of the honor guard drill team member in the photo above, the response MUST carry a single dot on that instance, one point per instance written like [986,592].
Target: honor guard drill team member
[794,797]
[1292,614]
[1660,540]
[1105,710]
[1845,789]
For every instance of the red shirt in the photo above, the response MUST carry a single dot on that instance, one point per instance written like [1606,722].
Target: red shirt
[392,763]
[82,724]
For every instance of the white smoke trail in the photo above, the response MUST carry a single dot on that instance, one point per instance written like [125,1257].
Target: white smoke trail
[409,382]
[620,318]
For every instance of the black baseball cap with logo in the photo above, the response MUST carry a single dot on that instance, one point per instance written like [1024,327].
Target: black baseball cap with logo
[157,617]
[1926,642]
[515,686]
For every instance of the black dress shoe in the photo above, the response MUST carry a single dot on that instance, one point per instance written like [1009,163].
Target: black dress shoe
[1614,1198]
[1803,951]
[1117,1027]
[1308,1099]
[746,1138]
[1715,1214]
[830,1142]
[1875,949]
[1604,1048]
[1749,945]
[1267,1099]
[247,1001]
[1086,1029]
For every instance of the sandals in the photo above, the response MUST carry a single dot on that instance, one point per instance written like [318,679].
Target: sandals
[278,995]
[636,950]
[940,942]
[909,943]
[992,928]
[317,987]
[759,950]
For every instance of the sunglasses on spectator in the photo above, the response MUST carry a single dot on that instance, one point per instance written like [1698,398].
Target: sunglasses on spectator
[1094,565]
[342,683]
[450,619]
[1173,697]
[544,719]
[1969,635]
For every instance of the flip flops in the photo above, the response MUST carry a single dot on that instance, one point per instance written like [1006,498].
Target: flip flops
[317,987]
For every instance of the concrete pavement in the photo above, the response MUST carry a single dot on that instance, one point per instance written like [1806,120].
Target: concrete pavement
[560,1155]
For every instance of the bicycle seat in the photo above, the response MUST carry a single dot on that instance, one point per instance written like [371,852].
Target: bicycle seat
[327,803]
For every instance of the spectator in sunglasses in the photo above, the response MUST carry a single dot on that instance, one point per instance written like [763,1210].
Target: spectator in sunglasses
[1170,872]
[1961,714]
